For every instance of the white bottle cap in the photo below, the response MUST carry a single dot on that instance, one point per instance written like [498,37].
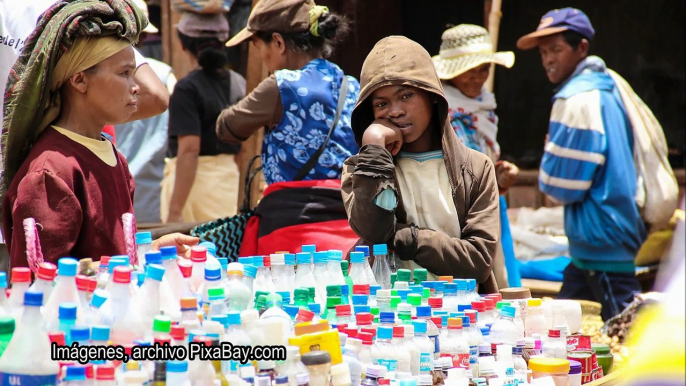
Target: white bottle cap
[277,259]
[340,374]
[404,307]
[425,379]
[135,377]
[247,370]
[456,373]
[234,267]
[401,285]
[249,316]
[383,294]
[353,344]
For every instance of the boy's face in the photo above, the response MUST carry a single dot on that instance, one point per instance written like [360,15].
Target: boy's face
[408,108]
[471,82]
[559,58]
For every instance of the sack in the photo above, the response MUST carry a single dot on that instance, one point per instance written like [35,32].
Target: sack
[657,191]
[227,233]
[202,6]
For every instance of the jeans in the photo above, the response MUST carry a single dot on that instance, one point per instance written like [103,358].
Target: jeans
[614,291]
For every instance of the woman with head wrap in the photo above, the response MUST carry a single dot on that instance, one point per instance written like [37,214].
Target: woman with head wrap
[74,76]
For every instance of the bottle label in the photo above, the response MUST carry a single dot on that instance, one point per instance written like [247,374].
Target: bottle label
[473,354]
[389,364]
[459,360]
[436,342]
[7,379]
[426,362]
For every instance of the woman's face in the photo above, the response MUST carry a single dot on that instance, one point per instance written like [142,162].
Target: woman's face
[408,108]
[273,54]
[111,90]
[471,82]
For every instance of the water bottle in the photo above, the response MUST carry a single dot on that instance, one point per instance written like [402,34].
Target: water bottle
[504,331]
[65,289]
[45,279]
[143,246]
[381,269]
[21,280]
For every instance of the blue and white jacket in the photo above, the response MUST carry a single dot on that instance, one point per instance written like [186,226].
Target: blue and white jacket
[588,166]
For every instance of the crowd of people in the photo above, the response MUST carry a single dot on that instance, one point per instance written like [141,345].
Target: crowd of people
[407,156]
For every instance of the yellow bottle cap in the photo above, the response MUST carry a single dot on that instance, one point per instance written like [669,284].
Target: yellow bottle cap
[549,365]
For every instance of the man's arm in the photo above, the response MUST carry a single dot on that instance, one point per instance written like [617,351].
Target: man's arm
[153,97]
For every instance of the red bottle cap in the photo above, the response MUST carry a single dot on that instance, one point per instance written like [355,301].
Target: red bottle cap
[369,331]
[479,306]
[398,332]
[497,295]
[553,333]
[127,349]
[267,261]
[472,316]
[384,381]
[342,327]
[436,302]
[105,260]
[178,332]
[82,283]
[104,373]
[364,319]
[162,339]
[198,254]
[304,315]
[343,310]
[122,274]
[47,271]
[90,369]
[366,337]
[185,267]
[360,289]
[489,303]
[92,284]
[21,275]
[351,332]
[437,321]
[57,337]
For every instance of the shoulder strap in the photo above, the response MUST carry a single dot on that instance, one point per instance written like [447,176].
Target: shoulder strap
[305,170]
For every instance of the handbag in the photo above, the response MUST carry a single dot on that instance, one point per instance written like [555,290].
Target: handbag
[227,233]
[202,6]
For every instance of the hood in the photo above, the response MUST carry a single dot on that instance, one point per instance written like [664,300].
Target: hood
[396,60]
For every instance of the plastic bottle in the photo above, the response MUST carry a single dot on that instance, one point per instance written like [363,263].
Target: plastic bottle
[239,295]
[450,300]
[27,359]
[199,261]
[518,359]
[211,253]
[424,313]
[357,273]
[333,266]
[274,314]
[74,376]
[456,346]
[535,322]
[100,335]
[21,280]
[217,305]
[249,274]
[480,307]
[146,303]
[7,326]
[372,375]
[104,375]
[278,268]
[383,300]
[143,246]
[66,319]
[5,309]
[103,275]
[263,279]
[559,318]
[555,346]
[45,279]
[80,335]
[412,348]
[173,280]
[292,367]
[125,323]
[200,372]
[351,356]
[472,340]
[367,267]
[504,331]
[213,276]
[383,352]
[65,289]
[381,269]
[85,286]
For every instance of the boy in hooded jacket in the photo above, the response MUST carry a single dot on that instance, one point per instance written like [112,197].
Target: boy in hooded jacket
[414,185]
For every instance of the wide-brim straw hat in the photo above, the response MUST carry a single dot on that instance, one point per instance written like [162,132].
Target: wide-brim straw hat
[467,46]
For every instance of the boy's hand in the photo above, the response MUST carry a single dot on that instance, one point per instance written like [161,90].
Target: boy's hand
[385,134]
[183,243]
[506,174]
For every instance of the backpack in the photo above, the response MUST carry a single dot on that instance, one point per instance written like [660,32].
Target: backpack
[657,191]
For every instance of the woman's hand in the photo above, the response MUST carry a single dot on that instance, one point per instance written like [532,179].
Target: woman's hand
[506,174]
[183,243]
[385,134]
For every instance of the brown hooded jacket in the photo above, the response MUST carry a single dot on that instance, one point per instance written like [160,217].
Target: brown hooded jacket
[397,60]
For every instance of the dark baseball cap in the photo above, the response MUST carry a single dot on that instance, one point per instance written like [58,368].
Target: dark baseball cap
[557,21]
[276,16]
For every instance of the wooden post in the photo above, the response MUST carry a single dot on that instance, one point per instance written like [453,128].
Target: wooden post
[493,30]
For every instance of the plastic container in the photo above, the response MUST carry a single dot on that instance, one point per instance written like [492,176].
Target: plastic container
[456,346]
[333,266]
[65,289]
[45,279]
[574,373]
[198,261]
[604,356]
[318,365]
[340,375]
[317,335]
[403,355]
[358,271]
[555,346]
[557,369]
[381,268]
[304,276]
[143,246]
[322,277]
[504,331]
[104,375]
[146,303]
[238,294]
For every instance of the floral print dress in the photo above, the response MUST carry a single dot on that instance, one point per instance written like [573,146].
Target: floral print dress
[309,97]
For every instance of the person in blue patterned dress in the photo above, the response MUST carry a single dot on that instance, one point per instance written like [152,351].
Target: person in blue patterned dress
[297,103]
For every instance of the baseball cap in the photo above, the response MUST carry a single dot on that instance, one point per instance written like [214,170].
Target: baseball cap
[557,21]
[285,16]
[198,25]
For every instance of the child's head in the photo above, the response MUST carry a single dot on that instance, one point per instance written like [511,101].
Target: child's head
[399,83]
[203,37]
[466,58]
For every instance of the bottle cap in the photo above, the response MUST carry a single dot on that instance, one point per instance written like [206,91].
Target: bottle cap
[216,293]
[153,257]
[425,379]
[178,332]
[80,333]
[57,337]
[404,308]
[75,373]
[462,285]
[549,365]
[414,299]
[515,293]
[387,317]
[281,379]
[374,371]
[343,310]
[365,337]
[423,311]
[292,311]
[277,259]
[345,266]
[100,333]
[436,302]
[536,302]
[289,258]
[364,249]
[479,306]
[438,321]
[211,247]
[304,315]
[33,298]
[334,255]
[426,293]
[380,249]
[360,300]
[105,372]
[404,275]
[398,332]
[198,254]
[122,274]
[314,358]
[46,271]
[303,258]
[285,296]
[67,311]
[333,290]
[500,305]
[161,323]
[143,238]
[497,296]
[310,248]
[154,272]
[168,253]
[553,333]
[373,290]
[455,323]
[189,303]
[364,319]
[574,367]
[508,311]
[21,275]
[206,340]
[463,307]
[384,332]
[450,288]
[3,280]
[114,263]
[332,301]
[447,279]
[340,374]
[246,260]
[489,303]
[356,257]
[320,257]
[177,366]
[419,326]
[395,300]
[352,335]
[6,325]
[315,308]
[213,273]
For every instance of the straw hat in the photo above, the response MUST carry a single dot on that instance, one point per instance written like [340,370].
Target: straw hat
[467,46]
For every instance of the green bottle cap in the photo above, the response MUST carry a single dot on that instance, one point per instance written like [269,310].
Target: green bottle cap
[273,300]
[414,299]
[7,325]
[301,294]
[162,323]
[333,290]
[215,293]
[427,293]
[261,301]
[258,293]
[420,274]
[394,278]
[374,311]
[404,275]
[333,301]
[312,293]
[395,300]
[500,305]
[344,267]
[394,292]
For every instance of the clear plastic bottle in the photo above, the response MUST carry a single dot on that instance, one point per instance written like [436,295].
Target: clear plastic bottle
[45,279]
[27,359]
[456,346]
[249,320]
[425,345]
[146,303]
[559,317]
[473,340]
[173,280]
[125,322]
[64,291]
[213,279]
[275,313]
[201,372]
[555,346]
[424,313]
[304,276]
[199,261]
[357,273]
[85,286]
[412,348]
[217,305]
[518,359]
[239,295]
[484,317]
[463,297]
[535,321]
[372,375]
[504,331]
[383,300]
[403,354]
[373,289]
[381,269]
[384,353]
[66,319]
[290,271]
[263,279]
[450,300]
[366,349]
[321,275]
[249,274]
[333,265]
[143,246]
[177,373]
[278,268]
[353,346]
[103,275]
[5,308]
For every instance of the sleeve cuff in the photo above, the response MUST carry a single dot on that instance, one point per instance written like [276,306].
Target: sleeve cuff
[375,161]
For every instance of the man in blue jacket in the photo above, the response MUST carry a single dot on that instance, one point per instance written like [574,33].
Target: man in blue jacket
[588,164]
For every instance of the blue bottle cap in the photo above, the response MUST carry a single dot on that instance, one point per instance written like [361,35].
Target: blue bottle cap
[289,259]
[428,284]
[193,333]
[440,313]
[439,285]
[67,311]
[424,311]
[462,284]
[140,277]
[233,318]
[361,300]
[403,293]
[223,319]
[168,253]
[450,288]
[364,249]
[33,298]
[258,261]
[345,290]
[380,249]
[334,255]
[485,330]
[417,289]
[311,248]
[387,317]
[356,257]
[245,260]
[362,308]
[303,258]
[3,280]
[143,238]
[116,263]
[211,247]
[224,262]
[67,266]
[320,257]
[384,332]
[250,271]
[177,366]
[285,297]
[75,373]
[80,333]
[464,307]
[444,320]
[292,311]
[419,326]
[153,257]
[315,307]
[508,311]
[283,379]
[100,333]
[408,382]
[373,289]
[465,321]
[99,297]
[471,284]
[213,274]
[154,272]
[120,257]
